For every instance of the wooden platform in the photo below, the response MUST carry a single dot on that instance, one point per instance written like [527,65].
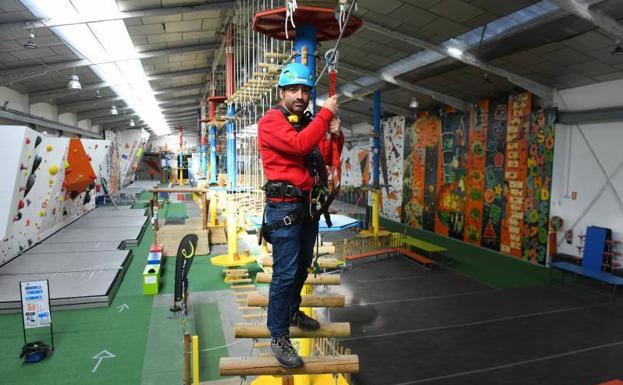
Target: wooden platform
[256,366]
[337,329]
[320,279]
[171,236]
[306,301]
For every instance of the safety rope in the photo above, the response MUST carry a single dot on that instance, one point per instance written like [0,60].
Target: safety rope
[291,6]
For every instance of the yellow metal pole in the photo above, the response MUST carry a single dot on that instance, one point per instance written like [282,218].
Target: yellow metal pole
[195,360]
[375,212]
[232,231]
[305,344]
[213,201]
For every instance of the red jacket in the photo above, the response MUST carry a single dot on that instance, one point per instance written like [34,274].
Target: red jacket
[283,149]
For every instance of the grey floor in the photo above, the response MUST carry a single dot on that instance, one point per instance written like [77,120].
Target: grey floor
[415,327]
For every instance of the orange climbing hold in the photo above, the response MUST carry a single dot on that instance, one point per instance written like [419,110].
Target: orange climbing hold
[79,174]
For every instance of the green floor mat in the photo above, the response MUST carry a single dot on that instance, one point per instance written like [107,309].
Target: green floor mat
[175,211]
[164,351]
[82,334]
[488,266]
[203,276]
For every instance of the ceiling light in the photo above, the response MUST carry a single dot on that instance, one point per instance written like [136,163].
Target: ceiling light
[617,50]
[74,83]
[113,110]
[414,103]
[95,31]
[455,52]
[132,123]
[30,44]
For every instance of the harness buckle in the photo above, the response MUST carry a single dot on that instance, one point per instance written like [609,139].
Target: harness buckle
[287,220]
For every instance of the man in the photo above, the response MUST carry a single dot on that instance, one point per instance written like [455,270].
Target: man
[294,151]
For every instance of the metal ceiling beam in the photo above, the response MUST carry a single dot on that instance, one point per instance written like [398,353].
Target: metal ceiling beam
[46,96]
[188,114]
[536,88]
[163,99]
[174,109]
[31,120]
[31,72]
[439,96]
[115,118]
[100,113]
[124,127]
[194,86]
[150,12]
[598,19]
[599,115]
[87,104]
[177,101]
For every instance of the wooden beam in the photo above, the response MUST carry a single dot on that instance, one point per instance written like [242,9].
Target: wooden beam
[323,279]
[338,329]
[256,366]
[325,263]
[307,301]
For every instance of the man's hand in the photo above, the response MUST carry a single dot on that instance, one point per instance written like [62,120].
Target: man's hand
[334,127]
[332,104]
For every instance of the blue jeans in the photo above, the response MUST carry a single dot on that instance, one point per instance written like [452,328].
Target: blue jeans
[293,249]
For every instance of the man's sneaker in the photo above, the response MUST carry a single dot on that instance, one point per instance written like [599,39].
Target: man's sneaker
[303,321]
[285,353]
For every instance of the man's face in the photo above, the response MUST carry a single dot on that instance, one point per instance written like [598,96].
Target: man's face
[295,98]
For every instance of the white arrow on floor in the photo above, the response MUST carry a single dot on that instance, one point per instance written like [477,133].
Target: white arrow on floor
[99,357]
[122,307]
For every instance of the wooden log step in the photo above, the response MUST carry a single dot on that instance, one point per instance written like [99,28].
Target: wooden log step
[307,301]
[321,279]
[236,272]
[240,287]
[256,366]
[240,280]
[242,300]
[253,315]
[244,293]
[276,55]
[338,329]
[325,263]
[262,344]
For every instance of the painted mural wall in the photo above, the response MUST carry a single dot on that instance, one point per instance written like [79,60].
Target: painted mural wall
[483,176]
[391,159]
[35,190]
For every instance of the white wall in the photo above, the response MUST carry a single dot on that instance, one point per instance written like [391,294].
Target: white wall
[586,157]
[68,118]
[17,101]
[44,110]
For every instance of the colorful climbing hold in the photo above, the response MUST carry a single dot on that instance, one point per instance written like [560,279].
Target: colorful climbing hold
[20,204]
[53,170]
[37,141]
[27,140]
[49,147]
[41,213]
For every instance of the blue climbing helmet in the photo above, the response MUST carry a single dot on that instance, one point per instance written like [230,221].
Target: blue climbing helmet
[296,73]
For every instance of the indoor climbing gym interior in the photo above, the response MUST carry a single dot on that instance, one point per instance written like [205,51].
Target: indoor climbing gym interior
[322,192]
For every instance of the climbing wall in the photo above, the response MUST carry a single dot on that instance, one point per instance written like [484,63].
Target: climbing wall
[37,204]
[113,160]
[482,176]
[392,151]
[11,146]
[356,165]
[130,145]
